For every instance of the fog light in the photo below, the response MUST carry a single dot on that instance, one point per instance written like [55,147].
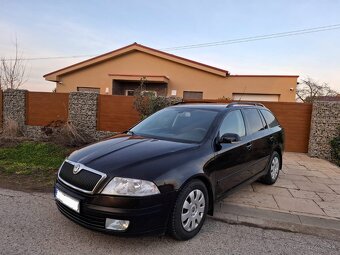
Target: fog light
[114,224]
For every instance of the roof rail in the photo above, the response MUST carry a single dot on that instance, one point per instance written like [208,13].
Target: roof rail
[244,103]
[180,102]
[194,102]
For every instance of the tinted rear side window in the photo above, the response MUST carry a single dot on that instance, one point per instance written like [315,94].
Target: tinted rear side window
[253,120]
[270,119]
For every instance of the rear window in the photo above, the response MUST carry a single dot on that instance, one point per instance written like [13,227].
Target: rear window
[253,120]
[270,119]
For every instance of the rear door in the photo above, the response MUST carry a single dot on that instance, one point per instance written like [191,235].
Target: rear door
[260,147]
[276,138]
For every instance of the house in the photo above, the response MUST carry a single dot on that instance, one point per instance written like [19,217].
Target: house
[119,72]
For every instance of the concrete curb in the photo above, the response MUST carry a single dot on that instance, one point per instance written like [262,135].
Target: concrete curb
[267,219]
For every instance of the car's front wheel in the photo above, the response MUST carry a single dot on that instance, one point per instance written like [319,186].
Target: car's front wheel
[190,210]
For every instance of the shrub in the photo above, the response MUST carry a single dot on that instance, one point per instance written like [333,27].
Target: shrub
[66,134]
[11,134]
[223,98]
[11,129]
[148,103]
[335,148]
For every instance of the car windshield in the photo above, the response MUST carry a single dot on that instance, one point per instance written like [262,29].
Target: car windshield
[186,124]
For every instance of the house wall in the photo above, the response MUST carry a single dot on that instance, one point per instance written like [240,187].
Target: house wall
[181,78]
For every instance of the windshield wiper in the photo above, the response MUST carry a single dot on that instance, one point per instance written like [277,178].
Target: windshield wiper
[129,132]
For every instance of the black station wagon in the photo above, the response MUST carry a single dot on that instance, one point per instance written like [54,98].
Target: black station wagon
[164,174]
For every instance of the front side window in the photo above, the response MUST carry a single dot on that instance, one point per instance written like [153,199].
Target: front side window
[233,123]
[254,121]
[177,123]
[270,119]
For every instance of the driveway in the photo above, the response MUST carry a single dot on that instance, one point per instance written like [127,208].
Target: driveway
[31,224]
[306,186]
[305,199]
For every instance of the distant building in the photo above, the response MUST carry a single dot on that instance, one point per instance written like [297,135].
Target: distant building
[119,73]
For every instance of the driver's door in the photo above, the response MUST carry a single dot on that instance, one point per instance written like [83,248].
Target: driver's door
[232,159]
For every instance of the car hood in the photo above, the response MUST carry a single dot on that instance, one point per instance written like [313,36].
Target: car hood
[118,154]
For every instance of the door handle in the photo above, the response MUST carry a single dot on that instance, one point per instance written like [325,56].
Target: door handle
[249,145]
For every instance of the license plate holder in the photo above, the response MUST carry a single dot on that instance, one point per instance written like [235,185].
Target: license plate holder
[67,200]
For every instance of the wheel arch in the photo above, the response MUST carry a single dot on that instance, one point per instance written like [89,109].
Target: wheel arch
[209,186]
[279,151]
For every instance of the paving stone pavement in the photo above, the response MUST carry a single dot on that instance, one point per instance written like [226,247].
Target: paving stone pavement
[306,186]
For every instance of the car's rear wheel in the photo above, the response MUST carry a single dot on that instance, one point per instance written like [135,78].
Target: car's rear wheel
[273,169]
[190,210]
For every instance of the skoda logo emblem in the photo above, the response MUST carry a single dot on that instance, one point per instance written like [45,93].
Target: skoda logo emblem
[76,168]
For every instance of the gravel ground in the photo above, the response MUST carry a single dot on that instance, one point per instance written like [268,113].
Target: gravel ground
[31,224]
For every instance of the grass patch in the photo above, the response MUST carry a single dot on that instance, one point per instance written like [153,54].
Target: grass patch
[33,159]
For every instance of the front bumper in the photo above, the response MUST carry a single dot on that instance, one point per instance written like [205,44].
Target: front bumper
[147,215]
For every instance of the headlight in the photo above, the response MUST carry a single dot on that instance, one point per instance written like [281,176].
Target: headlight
[130,187]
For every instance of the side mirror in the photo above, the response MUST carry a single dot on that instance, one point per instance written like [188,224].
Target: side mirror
[229,138]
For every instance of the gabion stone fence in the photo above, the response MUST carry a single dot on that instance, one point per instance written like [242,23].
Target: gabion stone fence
[324,123]
[82,113]
[96,114]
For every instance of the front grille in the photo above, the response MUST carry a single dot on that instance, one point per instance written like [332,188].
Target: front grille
[85,180]
[87,220]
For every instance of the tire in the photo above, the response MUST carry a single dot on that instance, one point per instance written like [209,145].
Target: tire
[273,169]
[191,205]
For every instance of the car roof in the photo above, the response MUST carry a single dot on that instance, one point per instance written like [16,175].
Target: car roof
[220,106]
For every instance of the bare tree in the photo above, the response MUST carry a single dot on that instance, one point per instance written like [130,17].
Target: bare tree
[12,70]
[1,86]
[308,90]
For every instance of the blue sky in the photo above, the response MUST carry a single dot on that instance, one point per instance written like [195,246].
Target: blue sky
[67,28]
